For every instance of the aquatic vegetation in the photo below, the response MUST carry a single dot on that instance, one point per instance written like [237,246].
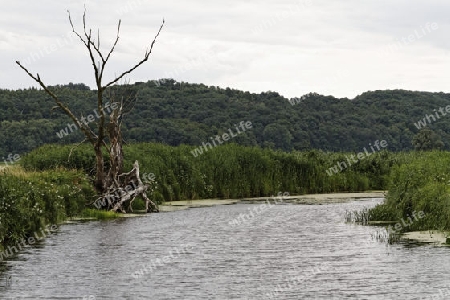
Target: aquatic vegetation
[423,184]
[418,196]
[384,236]
[361,217]
[230,170]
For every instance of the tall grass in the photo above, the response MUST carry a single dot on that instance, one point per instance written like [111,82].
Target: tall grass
[422,184]
[230,171]
[419,182]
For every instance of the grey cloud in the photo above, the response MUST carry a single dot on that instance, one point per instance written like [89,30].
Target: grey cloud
[289,46]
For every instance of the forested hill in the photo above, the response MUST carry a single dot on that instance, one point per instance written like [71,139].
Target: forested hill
[181,113]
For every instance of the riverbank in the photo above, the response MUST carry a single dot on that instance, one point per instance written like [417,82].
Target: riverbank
[30,201]
[310,199]
[230,171]
[430,237]
[422,185]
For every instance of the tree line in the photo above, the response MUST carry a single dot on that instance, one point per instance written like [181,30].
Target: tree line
[176,113]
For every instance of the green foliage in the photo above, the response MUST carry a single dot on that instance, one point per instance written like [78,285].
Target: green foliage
[54,156]
[29,201]
[138,204]
[426,140]
[177,113]
[382,212]
[230,170]
[421,184]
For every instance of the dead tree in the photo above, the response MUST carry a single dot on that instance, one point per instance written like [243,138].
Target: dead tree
[116,189]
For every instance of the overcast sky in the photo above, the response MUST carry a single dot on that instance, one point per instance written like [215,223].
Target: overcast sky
[333,47]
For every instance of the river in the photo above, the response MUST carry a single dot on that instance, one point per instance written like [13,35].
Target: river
[281,252]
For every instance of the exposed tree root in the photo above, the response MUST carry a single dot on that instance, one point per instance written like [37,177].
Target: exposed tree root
[123,191]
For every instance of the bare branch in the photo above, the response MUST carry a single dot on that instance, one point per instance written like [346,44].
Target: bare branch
[115,43]
[87,43]
[146,56]
[97,49]
[84,19]
[86,127]
[74,31]
[70,153]
[96,70]
[58,102]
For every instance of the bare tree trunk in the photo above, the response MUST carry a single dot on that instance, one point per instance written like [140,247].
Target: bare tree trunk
[99,182]
[115,140]
[117,190]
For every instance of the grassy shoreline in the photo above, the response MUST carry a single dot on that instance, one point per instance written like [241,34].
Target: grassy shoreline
[48,188]
[230,171]
[32,200]
[420,186]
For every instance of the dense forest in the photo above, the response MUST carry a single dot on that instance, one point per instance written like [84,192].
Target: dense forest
[175,113]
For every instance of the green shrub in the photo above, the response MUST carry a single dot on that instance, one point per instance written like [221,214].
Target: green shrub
[30,201]
[420,183]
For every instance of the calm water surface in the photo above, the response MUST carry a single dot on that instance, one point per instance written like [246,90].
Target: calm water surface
[283,252]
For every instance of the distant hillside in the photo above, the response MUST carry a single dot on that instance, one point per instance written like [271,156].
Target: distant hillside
[181,113]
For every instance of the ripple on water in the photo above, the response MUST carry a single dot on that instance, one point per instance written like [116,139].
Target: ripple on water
[284,252]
